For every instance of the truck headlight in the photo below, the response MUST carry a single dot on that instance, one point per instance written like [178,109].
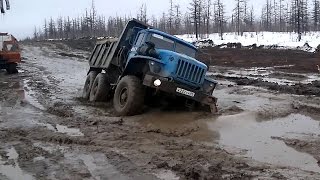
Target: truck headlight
[157,83]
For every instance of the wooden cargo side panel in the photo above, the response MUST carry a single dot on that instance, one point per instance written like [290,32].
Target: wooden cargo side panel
[100,55]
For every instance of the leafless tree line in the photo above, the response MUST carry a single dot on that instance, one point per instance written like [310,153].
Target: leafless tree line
[203,17]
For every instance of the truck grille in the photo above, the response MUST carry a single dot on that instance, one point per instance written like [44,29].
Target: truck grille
[189,72]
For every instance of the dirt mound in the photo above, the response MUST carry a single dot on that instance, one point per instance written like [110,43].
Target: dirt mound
[296,61]
[299,89]
[61,109]
[232,110]
[63,139]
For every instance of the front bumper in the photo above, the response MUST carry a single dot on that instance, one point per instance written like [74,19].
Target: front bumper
[180,90]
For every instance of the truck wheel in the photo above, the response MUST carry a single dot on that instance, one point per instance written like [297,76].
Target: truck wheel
[12,68]
[88,84]
[100,88]
[129,96]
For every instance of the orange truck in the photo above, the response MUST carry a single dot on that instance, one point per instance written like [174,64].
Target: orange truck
[10,54]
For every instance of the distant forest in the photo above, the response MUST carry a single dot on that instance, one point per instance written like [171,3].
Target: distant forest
[203,17]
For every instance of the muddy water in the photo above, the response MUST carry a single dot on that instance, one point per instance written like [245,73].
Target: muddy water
[99,168]
[178,124]
[96,164]
[29,116]
[245,134]
[167,175]
[13,171]
[28,96]
[266,74]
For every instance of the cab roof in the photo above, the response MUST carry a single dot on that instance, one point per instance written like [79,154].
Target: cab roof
[174,38]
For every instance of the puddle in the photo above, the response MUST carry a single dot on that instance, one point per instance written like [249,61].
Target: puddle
[245,133]
[29,96]
[96,163]
[68,131]
[13,172]
[53,149]
[40,158]
[264,74]
[62,129]
[167,175]
[98,167]
[168,120]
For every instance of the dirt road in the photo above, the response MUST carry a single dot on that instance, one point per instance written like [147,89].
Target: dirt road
[48,132]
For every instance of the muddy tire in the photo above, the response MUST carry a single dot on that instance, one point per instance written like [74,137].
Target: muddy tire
[100,88]
[88,84]
[12,68]
[129,96]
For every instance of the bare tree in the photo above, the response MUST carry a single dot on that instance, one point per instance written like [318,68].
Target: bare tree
[142,15]
[316,14]
[45,29]
[219,17]
[52,29]
[266,16]
[171,17]
[239,14]
[35,33]
[300,16]
[195,15]
[282,15]
[251,19]
[163,22]
[67,27]
[93,15]
[60,28]
[154,21]
[177,20]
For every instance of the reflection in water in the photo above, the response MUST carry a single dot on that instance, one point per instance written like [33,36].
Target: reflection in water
[242,131]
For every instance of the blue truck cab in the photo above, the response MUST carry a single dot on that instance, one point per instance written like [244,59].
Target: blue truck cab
[145,58]
[175,58]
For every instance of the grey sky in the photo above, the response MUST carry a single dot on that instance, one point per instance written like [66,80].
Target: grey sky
[24,15]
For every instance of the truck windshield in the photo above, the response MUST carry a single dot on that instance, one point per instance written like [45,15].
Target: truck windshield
[162,42]
[168,44]
[183,49]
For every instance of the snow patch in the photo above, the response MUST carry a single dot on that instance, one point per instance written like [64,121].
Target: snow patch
[278,40]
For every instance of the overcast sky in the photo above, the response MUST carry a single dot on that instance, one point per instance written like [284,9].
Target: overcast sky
[25,15]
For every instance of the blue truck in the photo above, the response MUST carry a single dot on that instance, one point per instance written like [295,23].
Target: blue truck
[144,62]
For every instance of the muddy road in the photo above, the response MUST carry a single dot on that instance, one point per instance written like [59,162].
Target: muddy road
[48,132]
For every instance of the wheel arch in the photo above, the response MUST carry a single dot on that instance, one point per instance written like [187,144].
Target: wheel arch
[137,66]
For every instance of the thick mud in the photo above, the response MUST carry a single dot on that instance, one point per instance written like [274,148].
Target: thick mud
[48,132]
[292,61]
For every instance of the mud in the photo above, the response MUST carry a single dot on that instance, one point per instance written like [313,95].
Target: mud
[299,61]
[312,88]
[48,132]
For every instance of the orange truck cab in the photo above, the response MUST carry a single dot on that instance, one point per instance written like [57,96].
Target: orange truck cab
[10,54]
